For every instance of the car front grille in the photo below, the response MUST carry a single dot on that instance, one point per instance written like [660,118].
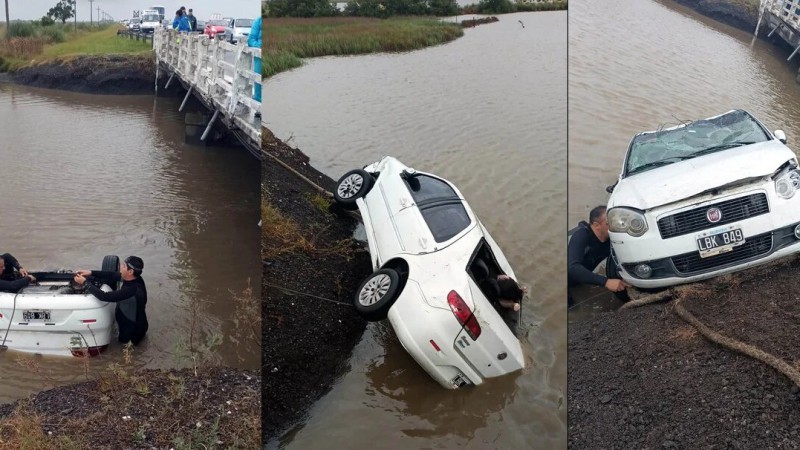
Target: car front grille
[692,263]
[695,219]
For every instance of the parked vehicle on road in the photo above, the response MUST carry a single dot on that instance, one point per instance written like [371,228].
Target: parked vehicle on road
[215,27]
[134,24]
[701,199]
[150,21]
[238,30]
[432,257]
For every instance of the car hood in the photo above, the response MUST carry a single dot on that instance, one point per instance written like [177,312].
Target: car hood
[685,179]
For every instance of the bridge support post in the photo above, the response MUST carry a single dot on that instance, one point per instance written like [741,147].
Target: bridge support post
[185,99]
[210,124]
[166,86]
[794,52]
[773,30]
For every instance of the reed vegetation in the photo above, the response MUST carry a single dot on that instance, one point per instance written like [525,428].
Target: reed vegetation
[288,39]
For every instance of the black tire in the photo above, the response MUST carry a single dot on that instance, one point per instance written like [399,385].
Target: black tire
[111,264]
[376,294]
[352,186]
[612,272]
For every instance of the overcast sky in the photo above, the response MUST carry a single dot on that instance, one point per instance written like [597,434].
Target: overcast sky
[123,9]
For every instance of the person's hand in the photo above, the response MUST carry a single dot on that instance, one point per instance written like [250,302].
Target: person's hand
[616,285]
[84,273]
[33,278]
[79,279]
[23,272]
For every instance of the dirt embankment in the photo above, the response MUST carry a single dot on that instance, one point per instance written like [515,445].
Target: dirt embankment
[311,270]
[742,14]
[92,74]
[645,378]
[217,408]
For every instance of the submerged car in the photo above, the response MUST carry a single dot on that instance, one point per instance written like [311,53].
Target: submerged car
[701,199]
[55,316]
[431,257]
[238,30]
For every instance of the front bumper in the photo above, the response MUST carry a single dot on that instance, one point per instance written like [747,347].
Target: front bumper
[675,259]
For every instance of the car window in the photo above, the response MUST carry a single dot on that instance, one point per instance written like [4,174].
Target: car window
[651,150]
[244,23]
[425,188]
[445,220]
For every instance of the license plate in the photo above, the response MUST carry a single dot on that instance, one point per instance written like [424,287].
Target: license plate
[36,315]
[717,243]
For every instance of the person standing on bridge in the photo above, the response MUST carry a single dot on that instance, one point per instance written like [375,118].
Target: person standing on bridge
[587,248]
[192,21]
[254,40]
[131,297]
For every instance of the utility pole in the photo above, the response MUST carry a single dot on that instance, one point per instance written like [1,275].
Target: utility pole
[90,11]
[75,13]
[98,14]
[7,19]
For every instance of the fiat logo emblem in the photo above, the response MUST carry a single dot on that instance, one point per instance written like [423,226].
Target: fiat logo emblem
[714,215]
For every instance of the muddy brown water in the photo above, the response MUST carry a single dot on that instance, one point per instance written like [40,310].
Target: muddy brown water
[627,75]
[488,112]
[85,176]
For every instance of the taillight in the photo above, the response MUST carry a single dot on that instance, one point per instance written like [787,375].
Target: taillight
[89,320]
[464,315]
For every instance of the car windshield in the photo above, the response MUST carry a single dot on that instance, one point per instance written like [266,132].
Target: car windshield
[241,23]
[217,23]
[150,18]
[701,137]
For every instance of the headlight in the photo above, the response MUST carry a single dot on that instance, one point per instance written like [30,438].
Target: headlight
[623,220]
[787,184]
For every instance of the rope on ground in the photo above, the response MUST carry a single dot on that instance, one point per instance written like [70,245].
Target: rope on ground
[306,295]
[648,299]
[302,177]
[747,349]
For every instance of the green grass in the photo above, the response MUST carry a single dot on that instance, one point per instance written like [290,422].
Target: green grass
[289,39]
[103,42]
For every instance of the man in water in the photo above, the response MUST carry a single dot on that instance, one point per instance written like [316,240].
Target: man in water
[8,264]
[588,247]
[131,297]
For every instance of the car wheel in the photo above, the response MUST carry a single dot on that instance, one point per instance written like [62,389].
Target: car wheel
[377,294]
[352,186]
[612,272]
[111,264]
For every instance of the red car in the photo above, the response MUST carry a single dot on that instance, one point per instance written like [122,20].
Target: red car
[215,27]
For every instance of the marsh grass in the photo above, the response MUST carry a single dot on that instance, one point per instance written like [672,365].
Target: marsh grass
[289,39]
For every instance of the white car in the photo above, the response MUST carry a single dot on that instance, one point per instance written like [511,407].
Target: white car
[702,199]
[150,20]
[431,255]
[238,30]
[56,317]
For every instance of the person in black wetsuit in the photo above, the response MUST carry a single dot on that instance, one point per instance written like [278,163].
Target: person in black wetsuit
[504,291]
[9,281]
[130,298]
[588,247]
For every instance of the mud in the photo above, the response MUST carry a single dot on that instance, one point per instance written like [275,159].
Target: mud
[740,14]
[307,340]
[117,75]
[148,409]
[644,378]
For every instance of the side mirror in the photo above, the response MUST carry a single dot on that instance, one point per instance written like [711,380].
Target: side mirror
[610,189]
[780,135]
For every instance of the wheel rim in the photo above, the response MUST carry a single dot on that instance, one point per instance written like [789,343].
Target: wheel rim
[350,186]
[375,289]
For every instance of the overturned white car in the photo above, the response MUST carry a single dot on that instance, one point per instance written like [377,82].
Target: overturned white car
[55,316]
[701,199]
[431,257]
